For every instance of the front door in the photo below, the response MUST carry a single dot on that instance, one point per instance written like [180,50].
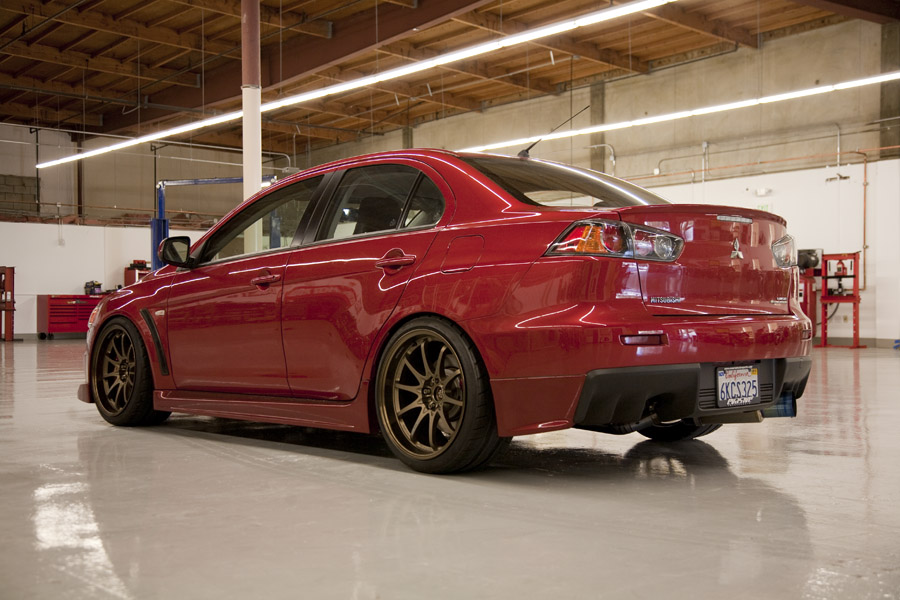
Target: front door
[224,316]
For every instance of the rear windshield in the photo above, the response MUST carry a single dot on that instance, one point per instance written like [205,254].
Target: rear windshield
[542,183]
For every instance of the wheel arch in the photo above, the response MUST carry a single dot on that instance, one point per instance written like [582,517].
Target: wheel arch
[380,345]
[146,338]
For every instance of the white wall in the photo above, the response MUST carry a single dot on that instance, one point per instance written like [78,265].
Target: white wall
[824,211]
[17,157]
[59,259]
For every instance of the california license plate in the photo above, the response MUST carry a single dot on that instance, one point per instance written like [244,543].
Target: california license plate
[737,386]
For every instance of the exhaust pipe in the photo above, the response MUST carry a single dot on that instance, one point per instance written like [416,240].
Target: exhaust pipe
[786,406]
[623,428]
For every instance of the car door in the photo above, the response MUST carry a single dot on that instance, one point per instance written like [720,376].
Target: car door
[224,315]
[340,289]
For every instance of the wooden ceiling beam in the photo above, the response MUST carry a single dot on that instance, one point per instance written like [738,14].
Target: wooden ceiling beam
[55,88]
[203,24]
[137,7]
[562,43]
[47,115]
[476,68]
[405,89]
[169,58]
[124,27]
[16,21]
[267,16]
[698,23]
[83,38]
[340,109]
[234,140]
[304,56]
[322,133]
[105,65]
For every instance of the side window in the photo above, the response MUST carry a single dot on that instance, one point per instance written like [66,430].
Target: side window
[426,205]
[369,199]
[267,224]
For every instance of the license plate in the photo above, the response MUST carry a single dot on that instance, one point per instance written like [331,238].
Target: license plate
[737,386]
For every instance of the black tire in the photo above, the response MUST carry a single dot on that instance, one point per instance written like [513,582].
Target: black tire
[680,430]
[120,378]
[433,399]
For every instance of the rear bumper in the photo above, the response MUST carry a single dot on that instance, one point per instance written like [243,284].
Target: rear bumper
[686,391]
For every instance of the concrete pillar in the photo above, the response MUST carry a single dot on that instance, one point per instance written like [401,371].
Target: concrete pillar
[251,97]
[890,91]
[408,137]
[598,116]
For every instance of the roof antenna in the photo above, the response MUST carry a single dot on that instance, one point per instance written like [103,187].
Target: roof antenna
[524,153]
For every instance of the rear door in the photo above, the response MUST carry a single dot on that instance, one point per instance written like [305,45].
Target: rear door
[341,288]
[726,268]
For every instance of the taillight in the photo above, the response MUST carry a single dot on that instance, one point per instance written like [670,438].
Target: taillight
[597,237]
[785,251]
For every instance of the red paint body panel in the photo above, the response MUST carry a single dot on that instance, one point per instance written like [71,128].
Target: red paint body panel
[304,350]
[336,300]
[224,332]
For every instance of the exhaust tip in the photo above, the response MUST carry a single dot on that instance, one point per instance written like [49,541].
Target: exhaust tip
[786,406]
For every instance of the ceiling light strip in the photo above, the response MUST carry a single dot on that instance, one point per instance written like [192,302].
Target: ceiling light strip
[892,76]
[599,16]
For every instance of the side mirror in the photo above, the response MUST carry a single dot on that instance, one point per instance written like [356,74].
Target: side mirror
[176,251]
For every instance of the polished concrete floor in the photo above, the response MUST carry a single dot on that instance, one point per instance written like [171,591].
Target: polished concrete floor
[209,508]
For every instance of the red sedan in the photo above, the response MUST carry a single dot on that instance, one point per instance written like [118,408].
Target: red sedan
[453,301]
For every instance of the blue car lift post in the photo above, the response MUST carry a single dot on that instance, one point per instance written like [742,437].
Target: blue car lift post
[159,225]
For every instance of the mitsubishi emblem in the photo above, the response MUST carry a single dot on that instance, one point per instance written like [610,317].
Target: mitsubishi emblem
[736,253]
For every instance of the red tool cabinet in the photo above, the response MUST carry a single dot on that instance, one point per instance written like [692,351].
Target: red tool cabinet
[64,314]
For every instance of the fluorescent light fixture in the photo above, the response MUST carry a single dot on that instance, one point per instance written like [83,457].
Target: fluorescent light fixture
[599,16]
[223,118]
[892,76]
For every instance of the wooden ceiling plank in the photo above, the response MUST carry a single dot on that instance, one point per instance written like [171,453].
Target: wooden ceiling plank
[405,89]
[124,27]
[43,33]
[304,57]
[102,64]
[163,61]
[476,68]
[133,9]
[203,24]
[47,115]
[79,40]
[698,23]
[563,43]
[267,16]
[17,20]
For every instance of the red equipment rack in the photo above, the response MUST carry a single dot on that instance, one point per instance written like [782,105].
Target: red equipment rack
[840,272]
[7,302]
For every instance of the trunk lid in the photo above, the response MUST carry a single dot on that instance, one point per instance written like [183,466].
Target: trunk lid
[726,267]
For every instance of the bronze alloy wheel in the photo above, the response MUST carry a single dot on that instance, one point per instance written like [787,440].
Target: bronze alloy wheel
[120,377]
[433,399]
[425,393]
[115,366]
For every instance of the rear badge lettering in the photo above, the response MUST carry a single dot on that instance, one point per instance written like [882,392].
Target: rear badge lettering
[733,219]
[666,299]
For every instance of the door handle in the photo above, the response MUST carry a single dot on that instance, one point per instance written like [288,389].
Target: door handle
[395,259]
[265,280]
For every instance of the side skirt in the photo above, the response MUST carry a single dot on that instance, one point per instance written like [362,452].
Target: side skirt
[344,416]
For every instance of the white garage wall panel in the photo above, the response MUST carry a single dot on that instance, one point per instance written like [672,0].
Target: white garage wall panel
[824,210]
[54,259]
